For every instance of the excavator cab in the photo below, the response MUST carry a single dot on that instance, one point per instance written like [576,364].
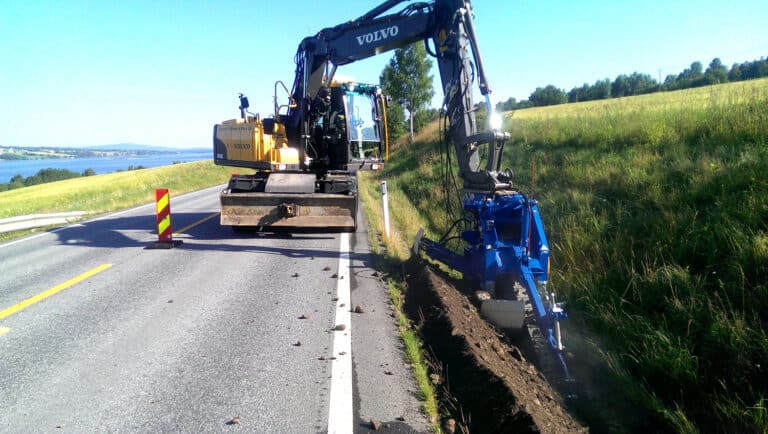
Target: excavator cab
[363,126]
[354,129]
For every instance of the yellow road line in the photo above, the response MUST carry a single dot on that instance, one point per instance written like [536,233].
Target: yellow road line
[201,221]
[4,330]
[43,295]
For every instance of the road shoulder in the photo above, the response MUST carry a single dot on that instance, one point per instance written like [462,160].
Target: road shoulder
[385,389]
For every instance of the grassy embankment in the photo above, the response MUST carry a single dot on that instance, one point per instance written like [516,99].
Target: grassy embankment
[657,210]
[109,192]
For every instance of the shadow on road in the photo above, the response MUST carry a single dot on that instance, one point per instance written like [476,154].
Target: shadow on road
[141,231]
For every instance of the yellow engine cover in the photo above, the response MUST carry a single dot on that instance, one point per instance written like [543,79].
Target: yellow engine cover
[243,143]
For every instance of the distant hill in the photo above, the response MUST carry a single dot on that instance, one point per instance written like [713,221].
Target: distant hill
[40,152]
[143,148]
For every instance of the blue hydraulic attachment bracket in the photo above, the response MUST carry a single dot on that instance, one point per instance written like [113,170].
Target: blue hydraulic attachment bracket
[507,241]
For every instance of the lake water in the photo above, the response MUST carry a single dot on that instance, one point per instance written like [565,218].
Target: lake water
[25,168]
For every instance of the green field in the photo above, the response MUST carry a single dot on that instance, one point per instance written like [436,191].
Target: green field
[113,191]
[657,210]
[698,98]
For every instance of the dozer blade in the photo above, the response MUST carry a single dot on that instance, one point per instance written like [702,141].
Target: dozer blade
[289,210]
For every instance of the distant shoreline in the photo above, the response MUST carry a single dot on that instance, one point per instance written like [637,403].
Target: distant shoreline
[104,163]
[16,153]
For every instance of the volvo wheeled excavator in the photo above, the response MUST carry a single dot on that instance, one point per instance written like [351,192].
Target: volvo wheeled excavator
[306,159]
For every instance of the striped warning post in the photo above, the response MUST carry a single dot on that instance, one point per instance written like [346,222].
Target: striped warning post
[164,230]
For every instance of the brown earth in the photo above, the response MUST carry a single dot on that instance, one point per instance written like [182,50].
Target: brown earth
[487,382]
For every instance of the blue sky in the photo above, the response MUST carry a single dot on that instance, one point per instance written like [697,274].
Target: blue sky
[79,73]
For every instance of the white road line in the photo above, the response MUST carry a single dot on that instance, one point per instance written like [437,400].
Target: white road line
[340,417]
[105,217]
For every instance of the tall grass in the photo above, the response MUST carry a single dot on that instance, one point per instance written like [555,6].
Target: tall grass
[659,217]
[102,193]
[657,210]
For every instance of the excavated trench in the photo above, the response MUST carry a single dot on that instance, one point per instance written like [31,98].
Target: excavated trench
[486,383]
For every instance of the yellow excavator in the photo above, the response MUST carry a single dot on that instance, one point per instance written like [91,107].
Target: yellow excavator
[305,160]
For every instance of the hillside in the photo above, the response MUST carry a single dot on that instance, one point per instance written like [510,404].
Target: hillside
[112,191]
[657,210]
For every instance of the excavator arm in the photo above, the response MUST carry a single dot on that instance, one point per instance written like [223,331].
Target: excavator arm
[505,246]
[448,24]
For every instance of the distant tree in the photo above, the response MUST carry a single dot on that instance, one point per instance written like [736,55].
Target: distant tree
[696,70]
[509,104]
[620,86]
[50,175]
[755,69]
[396,125]
[16,182]
[735,73]
[641,83]
[638,83]
[88,172]
[749,71]
[580,93]
[549,95]
[600,90]
[691,77]
[670,83]
[716,72]
[406,79]
[634,84]
[524,104]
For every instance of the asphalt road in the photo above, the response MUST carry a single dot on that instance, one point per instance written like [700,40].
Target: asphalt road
[98,333]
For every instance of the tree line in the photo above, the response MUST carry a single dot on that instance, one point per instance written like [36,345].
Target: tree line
[639,83]
[407,81]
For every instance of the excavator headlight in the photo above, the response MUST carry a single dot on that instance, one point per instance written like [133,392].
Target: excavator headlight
[376,166]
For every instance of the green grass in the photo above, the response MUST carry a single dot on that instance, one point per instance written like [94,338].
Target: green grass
[659,218]
[113,191]
[657,211]
[390,255]
[700,97]
[414,350]
[109,192]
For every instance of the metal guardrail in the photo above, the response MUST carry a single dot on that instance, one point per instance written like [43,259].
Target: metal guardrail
[37,220]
